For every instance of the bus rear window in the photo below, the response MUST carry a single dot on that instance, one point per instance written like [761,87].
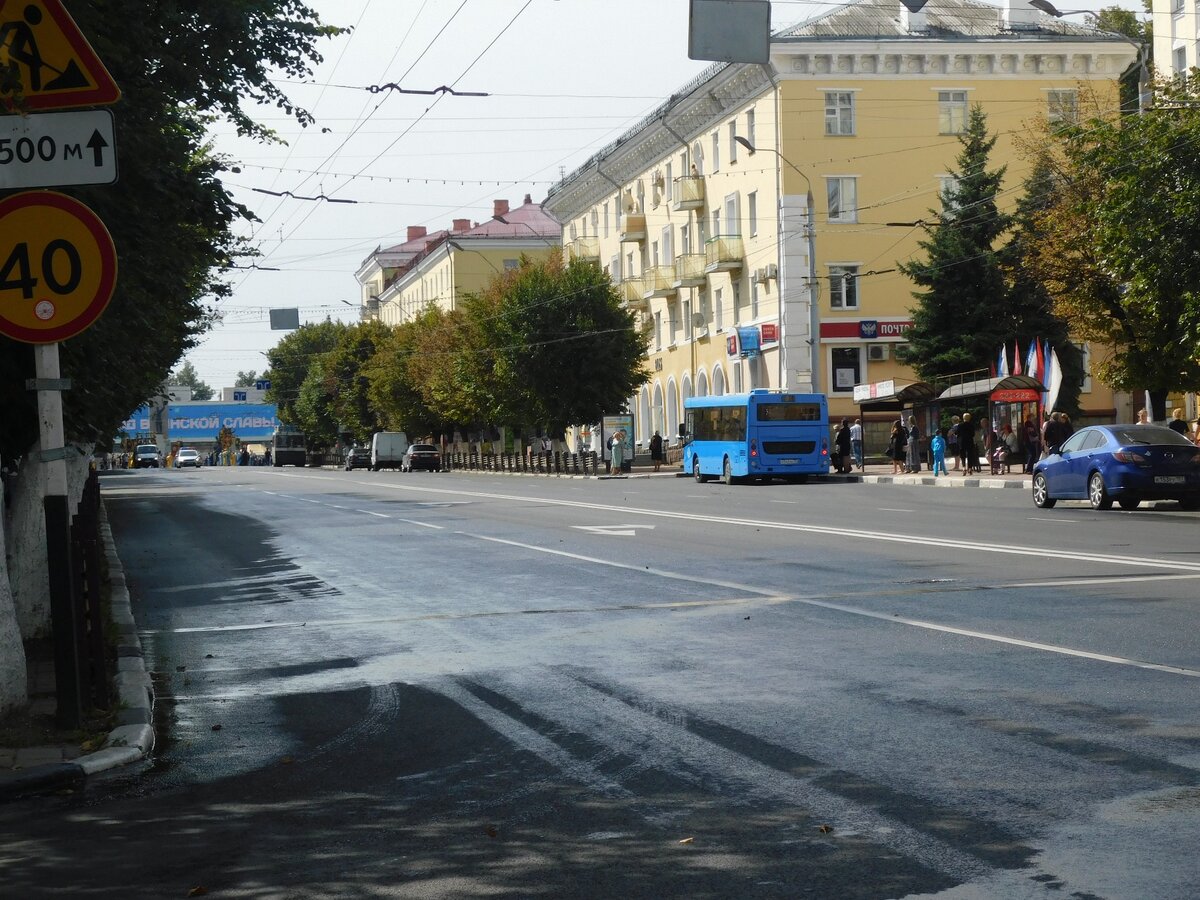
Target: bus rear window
[789,412]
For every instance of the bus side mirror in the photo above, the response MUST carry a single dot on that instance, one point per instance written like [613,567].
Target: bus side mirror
[682,430]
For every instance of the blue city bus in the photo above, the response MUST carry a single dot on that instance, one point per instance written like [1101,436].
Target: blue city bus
[760,435]
[287,447]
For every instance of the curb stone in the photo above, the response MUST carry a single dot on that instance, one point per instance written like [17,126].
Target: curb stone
[133,739]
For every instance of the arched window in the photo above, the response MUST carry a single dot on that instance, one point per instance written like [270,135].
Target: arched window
[701,384]
[645,422]
[656,412]
[672,407]
[718,382]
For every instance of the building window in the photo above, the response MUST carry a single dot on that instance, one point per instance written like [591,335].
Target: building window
[839,112]
[737,376]
[752,212]
[716,223]
[1179,66]
[948,192]
[606,220]
[843,198]
[733,146]
[574,231]
[732,219]
[716,152]
[719,309]
[658,331]
[845,370]
[510,264]
[843,287]
[1062,107]
[750,127]
[736,287]
[672,323]
[753,300]
[952,112]
[687,319]
[654,253]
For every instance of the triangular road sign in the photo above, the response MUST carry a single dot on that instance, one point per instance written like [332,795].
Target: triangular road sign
[57,67]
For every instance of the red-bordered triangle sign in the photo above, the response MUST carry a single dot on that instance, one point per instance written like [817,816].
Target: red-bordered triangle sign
[57,67]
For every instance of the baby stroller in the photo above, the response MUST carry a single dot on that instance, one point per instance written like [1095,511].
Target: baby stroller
[999,459]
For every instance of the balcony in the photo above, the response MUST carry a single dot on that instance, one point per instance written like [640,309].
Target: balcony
[633,227]
[633,292]
[724,253]
[658,282]
[689,193]
[689,270]
[586,249]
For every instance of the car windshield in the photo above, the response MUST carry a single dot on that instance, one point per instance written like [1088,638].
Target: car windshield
[424,448]
[147,448]
[1149,434]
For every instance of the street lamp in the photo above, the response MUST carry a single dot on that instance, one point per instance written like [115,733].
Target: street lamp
[813,317]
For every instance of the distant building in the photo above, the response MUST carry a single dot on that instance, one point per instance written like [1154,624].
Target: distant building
[436,268]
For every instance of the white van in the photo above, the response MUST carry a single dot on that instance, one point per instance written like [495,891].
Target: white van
[387,450]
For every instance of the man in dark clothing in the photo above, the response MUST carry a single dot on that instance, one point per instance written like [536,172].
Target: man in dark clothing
[842,442]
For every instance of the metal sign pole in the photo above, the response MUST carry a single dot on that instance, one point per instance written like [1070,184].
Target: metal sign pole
[49,385]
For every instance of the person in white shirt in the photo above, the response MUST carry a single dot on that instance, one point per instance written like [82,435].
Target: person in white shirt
[856,443]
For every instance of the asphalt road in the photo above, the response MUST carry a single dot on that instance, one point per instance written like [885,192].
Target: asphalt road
[417,685]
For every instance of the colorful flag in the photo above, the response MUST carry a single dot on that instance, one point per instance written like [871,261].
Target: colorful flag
[1016,370]
[1031,360]
[1044,363]
[1002,363]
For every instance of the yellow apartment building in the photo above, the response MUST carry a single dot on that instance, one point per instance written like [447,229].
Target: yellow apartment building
[756,219]
[437,268]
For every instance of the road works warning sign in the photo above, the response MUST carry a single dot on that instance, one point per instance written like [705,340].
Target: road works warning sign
[55,65]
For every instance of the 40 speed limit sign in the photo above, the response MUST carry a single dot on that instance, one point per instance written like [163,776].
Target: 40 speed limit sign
[58,267]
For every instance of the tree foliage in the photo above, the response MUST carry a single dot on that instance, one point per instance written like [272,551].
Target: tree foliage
[178,66]
[1117,250]
[291,360]
[187,376]
[956,326]
[245,379]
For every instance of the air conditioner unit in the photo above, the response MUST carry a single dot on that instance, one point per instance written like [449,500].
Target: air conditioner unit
[772,271]
[877,352]
[761,276]
[698,320]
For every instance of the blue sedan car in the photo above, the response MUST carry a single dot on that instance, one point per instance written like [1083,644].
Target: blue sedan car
[1125,463]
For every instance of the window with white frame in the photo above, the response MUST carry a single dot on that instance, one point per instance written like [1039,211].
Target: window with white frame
[952,112]
[667,256]
[574,231]
[843,287]
[715,161]
[672,322]
[839,112]
[733,145]
[842,193]
[614,267]
[658,331]
[687,319]
[948,192]
[732,217]
[753,300]
[606,220]
[702,307]
[752,212]
[750,127]
[736,290]
[719,309]
[716,223]
[629,264]
[685,239]
[736,366]
[1179,66]
[1062,107]
[654,253]
[510,264]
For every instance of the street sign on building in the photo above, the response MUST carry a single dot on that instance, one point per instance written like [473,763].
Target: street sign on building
[58,267]
[51,149]
[53,62]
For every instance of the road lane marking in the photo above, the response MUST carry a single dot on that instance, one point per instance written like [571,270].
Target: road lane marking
[891,509]
[793,502]
[422,524]
[369,513]
[614,530]
[1087,582]
[1058,520]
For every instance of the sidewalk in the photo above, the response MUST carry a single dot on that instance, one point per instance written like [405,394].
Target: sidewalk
[875,473]
[38,767]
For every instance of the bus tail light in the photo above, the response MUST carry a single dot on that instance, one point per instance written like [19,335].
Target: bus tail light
[824,448]
[754,447]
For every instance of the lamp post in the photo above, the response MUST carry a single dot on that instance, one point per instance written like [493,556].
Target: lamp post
[810,276]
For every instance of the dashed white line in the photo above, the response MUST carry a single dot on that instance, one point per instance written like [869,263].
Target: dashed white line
[369,513]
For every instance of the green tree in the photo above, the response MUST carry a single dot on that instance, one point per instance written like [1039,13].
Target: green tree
[1028,310]
[187,376]
[955,324]
[1117,250]
[170,216]
[348,365]
[1141,32]
[564,349]
[312,408]
[396,378]
[245,379]
[289,362]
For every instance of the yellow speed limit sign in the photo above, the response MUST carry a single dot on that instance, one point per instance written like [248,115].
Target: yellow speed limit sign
[58,267]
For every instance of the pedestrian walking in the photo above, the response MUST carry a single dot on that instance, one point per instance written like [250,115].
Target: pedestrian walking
[841,441]
[897,446]
[656,450]
[913,456]
[1143,417]
[937,448]
[1177,424]
[966,445]
[856,443]
[952,445]
[618,452]
[1033,444]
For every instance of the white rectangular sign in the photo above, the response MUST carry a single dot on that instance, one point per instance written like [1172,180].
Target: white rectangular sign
[50,149]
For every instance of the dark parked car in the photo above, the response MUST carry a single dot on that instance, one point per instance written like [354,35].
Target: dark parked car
[1125,463]
[358,458]
[422,456]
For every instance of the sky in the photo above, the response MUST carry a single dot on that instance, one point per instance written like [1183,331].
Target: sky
[563,79]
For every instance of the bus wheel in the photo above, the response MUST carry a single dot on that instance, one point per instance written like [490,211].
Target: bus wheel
[727,472]
[700,479]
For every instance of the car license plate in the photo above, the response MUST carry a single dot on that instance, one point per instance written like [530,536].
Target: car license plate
[1169,479]
[788,462]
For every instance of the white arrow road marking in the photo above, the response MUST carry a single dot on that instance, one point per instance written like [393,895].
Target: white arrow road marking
[618,530]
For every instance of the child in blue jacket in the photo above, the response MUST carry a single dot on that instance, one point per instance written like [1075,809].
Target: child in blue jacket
[938,448]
